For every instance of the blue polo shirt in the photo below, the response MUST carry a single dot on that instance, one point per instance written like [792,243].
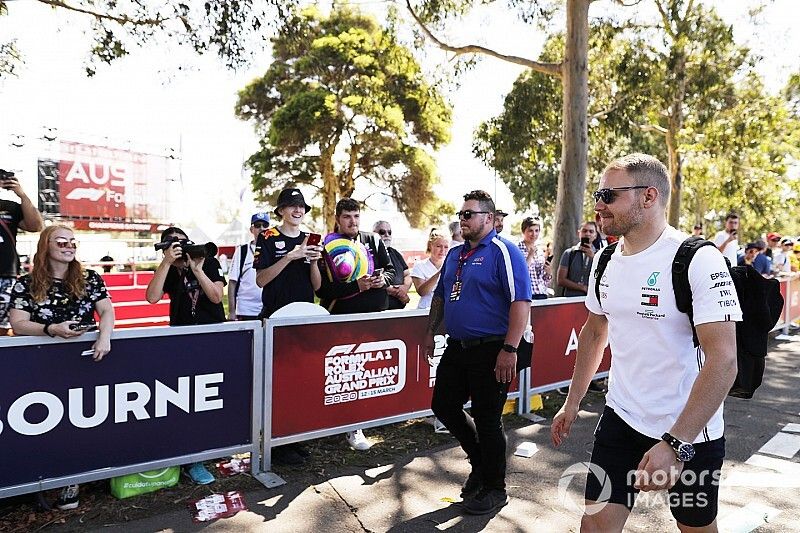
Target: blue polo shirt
[491,278]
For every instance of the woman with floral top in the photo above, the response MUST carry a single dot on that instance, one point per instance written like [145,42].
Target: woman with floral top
[57,296]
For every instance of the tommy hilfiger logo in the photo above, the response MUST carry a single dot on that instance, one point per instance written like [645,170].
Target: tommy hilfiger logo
[650,300]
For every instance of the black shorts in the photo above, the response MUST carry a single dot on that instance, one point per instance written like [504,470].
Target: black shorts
[618,449]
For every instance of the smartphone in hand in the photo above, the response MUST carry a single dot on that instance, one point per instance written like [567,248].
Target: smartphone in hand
[377,273]
[83,327]
[313,239]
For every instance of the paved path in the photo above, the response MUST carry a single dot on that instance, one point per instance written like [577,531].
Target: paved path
[416,494]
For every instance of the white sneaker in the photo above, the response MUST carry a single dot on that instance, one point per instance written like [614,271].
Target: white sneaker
[358,441]
[439,427]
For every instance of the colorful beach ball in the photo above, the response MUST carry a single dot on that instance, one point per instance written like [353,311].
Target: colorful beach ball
[348,260]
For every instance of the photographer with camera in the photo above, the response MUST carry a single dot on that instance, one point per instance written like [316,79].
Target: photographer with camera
[576,262]
[193,279]
[13,216]
[727,240]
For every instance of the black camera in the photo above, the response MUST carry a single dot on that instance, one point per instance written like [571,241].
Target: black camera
[189,248]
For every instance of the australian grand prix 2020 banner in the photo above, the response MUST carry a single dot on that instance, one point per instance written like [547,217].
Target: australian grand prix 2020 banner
[336,373]
[149,399]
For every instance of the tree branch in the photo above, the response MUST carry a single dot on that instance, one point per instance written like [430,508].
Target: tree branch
[665,19]
[552,69]
[654,128]
[120,19]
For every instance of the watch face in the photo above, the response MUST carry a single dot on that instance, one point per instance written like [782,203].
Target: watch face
[685,452]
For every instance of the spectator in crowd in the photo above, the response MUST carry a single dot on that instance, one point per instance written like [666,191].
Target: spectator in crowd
[780,256]
[773,244]
[499,217]
[287,272]
[397,290]
[348,284]
[538,267]
[794,259]
[754,255]
[13,216]
[425,274]
[195,286]
[107,267]
[455,234]
[483,296]
[573,269]
[601,239]
[697,231]
[727,239]
[59,299]
[662,426]
[548,252]
[244,295]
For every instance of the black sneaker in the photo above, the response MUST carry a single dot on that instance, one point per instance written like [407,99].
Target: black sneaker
[595,386]
[68,499]
[472,485]
[486,501]
[563,391]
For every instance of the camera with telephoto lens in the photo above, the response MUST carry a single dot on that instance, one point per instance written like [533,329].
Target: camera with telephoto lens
[189,248]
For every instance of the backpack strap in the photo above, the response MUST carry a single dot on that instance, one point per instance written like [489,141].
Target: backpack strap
[680,277]
[242,259]
[602,263]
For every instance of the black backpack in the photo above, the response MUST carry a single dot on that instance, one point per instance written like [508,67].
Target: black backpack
[759,299]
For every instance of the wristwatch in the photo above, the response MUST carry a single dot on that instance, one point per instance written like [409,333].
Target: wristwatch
[683,450]
[510,349]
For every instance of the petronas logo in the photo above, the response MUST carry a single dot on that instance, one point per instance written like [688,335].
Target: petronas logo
[651,281]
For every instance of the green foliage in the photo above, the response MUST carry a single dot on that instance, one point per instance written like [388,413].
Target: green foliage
[342,101]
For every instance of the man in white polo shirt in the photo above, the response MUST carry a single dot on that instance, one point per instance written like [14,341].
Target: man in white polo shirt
[244,295]
[662,426]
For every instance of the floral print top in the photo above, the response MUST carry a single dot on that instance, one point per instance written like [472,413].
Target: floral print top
[59,306]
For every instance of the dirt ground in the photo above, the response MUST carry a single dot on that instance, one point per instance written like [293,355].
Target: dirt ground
[329,457]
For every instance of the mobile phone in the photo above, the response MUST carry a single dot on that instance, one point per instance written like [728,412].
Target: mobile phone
[313,239]
[584,241]
[735,233]
[87,353]
[377,273]
[83,327]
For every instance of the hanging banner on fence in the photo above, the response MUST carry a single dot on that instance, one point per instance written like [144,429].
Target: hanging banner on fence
[342,373]
[150,399]
[555,329]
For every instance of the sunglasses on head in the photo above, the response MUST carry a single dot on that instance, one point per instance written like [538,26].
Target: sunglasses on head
[467,213]
[66,243]
[384,231]
[608,195]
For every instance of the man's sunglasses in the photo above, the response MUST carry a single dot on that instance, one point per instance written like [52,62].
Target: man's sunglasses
[260,225]
[384,231]
[66,243]
[608,196]
[467,213]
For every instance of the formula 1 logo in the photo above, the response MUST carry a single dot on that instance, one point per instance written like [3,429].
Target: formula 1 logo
[363,371]
[82,193]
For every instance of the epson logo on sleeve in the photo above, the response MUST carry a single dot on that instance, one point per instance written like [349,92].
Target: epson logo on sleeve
[719,275]
[128,399]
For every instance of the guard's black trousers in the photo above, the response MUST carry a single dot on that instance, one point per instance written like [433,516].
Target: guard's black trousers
[468,373]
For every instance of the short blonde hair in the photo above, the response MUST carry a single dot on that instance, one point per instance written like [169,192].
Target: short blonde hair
[645,170]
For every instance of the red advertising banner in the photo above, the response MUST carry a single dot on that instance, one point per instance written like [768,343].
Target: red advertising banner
[555,329]
[332,374]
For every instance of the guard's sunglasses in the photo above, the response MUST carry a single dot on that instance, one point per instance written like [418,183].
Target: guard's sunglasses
[608,194]
[467,213]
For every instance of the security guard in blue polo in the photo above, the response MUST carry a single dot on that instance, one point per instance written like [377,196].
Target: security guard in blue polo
[483,296]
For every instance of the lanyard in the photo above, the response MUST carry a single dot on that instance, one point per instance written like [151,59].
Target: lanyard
[462,260]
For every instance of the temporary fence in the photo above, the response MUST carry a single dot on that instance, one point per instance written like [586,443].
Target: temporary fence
[169,396]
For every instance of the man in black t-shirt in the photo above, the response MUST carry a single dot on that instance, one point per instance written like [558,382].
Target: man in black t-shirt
[13,216]
[285,264]
[397,291]
[194,285]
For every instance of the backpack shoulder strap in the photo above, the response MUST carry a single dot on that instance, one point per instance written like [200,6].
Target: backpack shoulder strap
[602,263]
[680,276]
[242,258]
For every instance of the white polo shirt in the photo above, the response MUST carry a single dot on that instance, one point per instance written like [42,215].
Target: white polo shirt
[654,362]
[248,299]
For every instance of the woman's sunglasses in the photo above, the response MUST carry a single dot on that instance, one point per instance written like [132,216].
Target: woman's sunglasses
[467,213]
[66,243]
[608,195]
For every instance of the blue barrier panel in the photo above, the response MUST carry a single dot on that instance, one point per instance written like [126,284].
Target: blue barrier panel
[160,396]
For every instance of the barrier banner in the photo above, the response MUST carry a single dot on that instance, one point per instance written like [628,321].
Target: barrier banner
[332,374]
[152,398]
[793,299]
[555,329]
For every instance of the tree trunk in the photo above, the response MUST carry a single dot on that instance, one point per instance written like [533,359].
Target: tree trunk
[675,124]
[575,135]
[329,187]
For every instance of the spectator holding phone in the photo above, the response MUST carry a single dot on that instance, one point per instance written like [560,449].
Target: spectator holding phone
[538,266]
[58,299]
[576,262]
[13,216]
[727,240]
[286,257]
